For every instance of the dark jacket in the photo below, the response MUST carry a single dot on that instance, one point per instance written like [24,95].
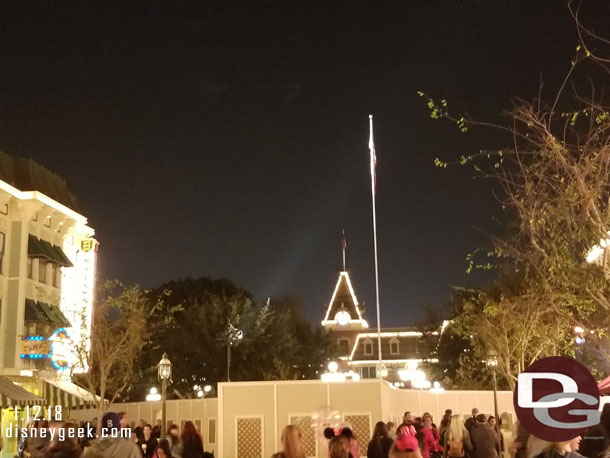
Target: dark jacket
[470,423]
[485,442]
[594,441]
[379,449]
[151,446]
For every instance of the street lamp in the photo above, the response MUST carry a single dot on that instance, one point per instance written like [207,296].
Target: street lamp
[233,335]
[493,363]
[165,373]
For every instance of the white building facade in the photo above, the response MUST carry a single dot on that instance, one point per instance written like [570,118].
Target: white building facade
[47,272]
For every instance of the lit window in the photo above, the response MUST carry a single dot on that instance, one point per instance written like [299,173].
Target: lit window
[343,347]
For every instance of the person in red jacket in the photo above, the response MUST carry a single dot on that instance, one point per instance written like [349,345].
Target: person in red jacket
[429,438]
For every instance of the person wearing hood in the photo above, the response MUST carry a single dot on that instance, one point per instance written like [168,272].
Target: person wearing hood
[112,447]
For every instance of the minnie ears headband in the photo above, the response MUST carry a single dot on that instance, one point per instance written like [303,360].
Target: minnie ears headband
[329,433]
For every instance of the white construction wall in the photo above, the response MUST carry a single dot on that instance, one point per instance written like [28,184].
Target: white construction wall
[247,418]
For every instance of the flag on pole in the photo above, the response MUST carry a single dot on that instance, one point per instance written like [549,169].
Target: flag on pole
[373,157]
[343,242]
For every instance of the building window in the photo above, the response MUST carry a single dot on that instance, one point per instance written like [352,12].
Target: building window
[4,209]
[368,348]
[394,347]
[54,272]
[30,267]
[369,372]
[42,271]
[47,221]
[343,347]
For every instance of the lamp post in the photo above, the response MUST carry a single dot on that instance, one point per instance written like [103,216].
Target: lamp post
[233,335]
[493,363]
[165,373]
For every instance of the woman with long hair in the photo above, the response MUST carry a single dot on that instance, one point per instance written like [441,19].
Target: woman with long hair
[163,450]
[338,447]
[192,444]
[429,438]
[457,439]
[292,445]
[380,444]
[441,431]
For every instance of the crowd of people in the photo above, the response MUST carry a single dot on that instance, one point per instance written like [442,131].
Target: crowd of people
[480,436]
[112,438]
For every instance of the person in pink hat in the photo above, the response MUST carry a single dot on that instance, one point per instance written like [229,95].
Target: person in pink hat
[406,445]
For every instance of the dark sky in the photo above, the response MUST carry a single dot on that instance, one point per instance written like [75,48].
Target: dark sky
[230,138]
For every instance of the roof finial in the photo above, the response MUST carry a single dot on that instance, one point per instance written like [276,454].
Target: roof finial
[343,246]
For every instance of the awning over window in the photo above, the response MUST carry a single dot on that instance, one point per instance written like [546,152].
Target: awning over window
[54,314]
[41,311]
[61,258]
[38,248]
[13,395]
[35,249]
[67,394]
[33,312]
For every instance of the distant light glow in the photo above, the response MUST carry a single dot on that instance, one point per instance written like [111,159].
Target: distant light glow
[578,330]
[597,251]
[333,366]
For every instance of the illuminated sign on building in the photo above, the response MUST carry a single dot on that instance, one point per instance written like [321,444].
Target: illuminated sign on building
[35,347]
[58,348]
[77,295]
[61,349]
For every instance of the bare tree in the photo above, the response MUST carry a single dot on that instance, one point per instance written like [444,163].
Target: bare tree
[551,178]
[119,330]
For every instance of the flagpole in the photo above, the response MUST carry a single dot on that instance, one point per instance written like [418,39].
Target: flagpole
[343,246]
[373,180]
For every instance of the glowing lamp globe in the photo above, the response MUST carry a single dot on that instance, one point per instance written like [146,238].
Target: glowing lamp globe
[342,317]
[333,366]
[165,368]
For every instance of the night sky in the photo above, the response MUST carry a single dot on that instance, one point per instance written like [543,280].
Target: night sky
[230,138]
